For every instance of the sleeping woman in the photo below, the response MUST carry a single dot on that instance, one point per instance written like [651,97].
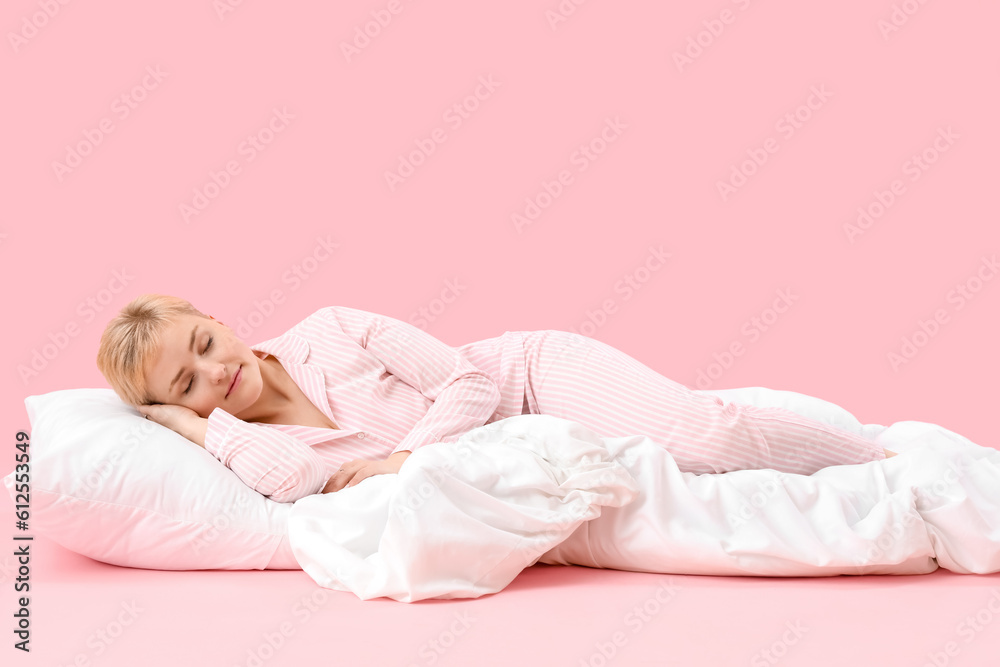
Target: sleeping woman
[346,394]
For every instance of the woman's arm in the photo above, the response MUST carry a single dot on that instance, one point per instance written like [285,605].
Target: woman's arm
[267,460]
[179,419]
[464,396]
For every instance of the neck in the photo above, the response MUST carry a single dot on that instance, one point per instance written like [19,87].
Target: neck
[274,395]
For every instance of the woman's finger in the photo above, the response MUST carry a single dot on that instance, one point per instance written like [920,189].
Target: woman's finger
[359,477]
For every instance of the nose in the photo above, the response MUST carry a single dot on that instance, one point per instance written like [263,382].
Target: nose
[216,372]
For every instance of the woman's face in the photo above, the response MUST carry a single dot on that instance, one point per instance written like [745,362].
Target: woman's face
[198,360]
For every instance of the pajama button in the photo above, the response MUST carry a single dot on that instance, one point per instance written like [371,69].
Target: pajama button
[361,435]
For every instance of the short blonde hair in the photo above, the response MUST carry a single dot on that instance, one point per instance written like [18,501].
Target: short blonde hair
[131,341]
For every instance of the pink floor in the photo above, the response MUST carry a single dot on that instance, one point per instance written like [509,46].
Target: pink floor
[88,613]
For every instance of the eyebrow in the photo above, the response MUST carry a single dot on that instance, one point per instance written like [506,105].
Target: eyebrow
[170,389]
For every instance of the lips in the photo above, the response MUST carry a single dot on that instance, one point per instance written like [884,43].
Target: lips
[236,380]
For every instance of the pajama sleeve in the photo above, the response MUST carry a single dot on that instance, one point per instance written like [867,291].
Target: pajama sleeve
[270,462]
[463,396]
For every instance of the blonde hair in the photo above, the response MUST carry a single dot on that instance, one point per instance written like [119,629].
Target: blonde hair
[131,341]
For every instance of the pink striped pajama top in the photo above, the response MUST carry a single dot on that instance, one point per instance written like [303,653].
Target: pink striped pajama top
[388,385]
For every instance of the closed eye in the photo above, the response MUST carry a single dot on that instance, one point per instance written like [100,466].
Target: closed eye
[205,351]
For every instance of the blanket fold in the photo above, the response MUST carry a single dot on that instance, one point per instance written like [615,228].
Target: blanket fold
[461,519]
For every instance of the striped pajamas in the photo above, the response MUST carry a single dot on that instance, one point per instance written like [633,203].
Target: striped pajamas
[585,380]
[390,386]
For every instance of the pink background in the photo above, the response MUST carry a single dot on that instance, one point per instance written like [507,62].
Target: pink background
[443,241]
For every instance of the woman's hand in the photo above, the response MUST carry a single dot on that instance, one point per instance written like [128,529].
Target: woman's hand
[177,418]
[352,472]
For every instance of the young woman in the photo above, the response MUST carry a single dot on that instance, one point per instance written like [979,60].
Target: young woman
[347,394]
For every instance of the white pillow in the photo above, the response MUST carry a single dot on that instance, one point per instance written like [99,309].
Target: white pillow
[109,484]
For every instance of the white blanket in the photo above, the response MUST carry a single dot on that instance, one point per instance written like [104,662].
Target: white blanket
[463,519]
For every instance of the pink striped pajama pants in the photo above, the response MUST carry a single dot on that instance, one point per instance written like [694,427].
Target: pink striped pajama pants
[582,379]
